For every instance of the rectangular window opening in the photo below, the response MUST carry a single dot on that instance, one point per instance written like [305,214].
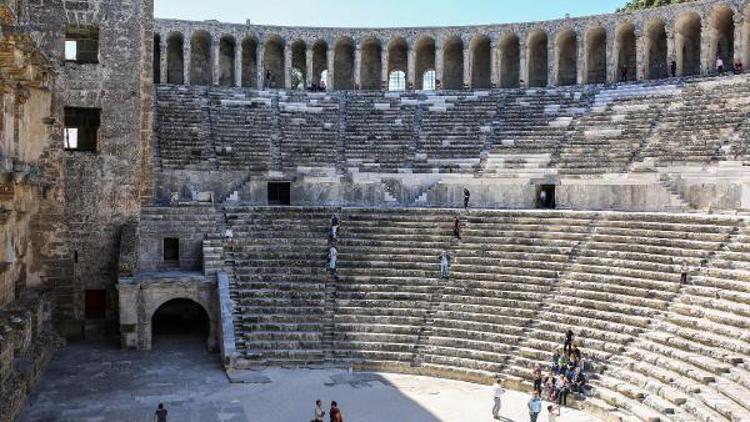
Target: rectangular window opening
[81,128]
[96,304]
[171,250]
[279,193]
[82,44]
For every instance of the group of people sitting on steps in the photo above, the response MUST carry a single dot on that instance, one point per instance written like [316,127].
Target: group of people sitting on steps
[564,374]
[333,233]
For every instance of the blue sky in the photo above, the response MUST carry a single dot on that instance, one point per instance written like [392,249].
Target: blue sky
[380,13]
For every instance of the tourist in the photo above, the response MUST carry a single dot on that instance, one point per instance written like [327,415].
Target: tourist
[738,67]
[564,363]
[444,264]
[535,406]
[568,340]
[467,196]
[563,388]
[536,376]
[332,255]
[673,68]
[684,270]
[578,381]
[457,228]
[269,79]
[319,412]
[334,227]
[623,73]
[497,395]
[161,413]
[554,364]
[720,65]
[553,412]
[335,413]
[228,234]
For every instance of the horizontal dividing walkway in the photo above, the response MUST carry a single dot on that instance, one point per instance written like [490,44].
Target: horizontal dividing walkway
[519,279]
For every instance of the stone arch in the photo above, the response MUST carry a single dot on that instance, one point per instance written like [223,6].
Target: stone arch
[398,56]
[200,58]
[481,62]
[175,59]
[687,42]
[453,63]
[162,303]
[273,62]
[157,59]
[655,51]
[425,59]
[371,69]
[227,47]
[510,58]
[299,64]
[343,64]
[625,51]
[536,58]
[250,62]
[566,46]
[722,36]
[319,62]
[596,55]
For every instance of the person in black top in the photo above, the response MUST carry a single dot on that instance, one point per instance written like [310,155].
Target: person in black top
[161,414]
[467,196]
[568,346]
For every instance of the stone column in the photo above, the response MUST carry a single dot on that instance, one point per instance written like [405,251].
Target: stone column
[438,63]
[186,50]
[260,66]
[494,65]
[467,65]
[552,62]
[384,58]
[287,65]
[671,51]
[582,61]
[358,66]
[330,57]
[642,73]
[310,78]
[214,59]
[523,63]
[163,59]
[237,64]
[411,66]
[739,40]
[612,72]
[708,52]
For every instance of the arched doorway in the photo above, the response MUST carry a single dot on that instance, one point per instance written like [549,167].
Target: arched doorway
[250,62]
[625,53]
[319,64]
[688,44]
[722,36]
[537,59]
[398,63]
[596,56]
[175,59]
[299,65]
[453,64]
[481,62]
[179,320]
[200,59]
[509,61]
[343,64]
[370,72]
[567,58]
[656,51]
[274,62]
[227,46]
[425,48]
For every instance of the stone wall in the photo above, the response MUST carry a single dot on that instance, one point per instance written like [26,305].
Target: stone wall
[95,193]
[644,42]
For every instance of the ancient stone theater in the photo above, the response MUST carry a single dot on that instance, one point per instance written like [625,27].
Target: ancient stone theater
[291,193]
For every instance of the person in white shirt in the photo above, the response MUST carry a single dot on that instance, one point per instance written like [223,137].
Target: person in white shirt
[332,255]
[720,65]
[319,412]
[497,396]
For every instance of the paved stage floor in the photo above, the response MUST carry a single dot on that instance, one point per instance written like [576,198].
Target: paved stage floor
[97,382]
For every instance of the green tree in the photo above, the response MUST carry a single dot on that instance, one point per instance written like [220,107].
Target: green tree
[646,4]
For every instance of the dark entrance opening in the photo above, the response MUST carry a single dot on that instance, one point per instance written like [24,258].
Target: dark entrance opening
[171,250]
[545,197]
[96,304]
[279,193]
[180,318]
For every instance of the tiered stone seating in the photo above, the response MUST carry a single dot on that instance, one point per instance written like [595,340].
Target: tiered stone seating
[607,138]
[277,261]
[388,270]
[691,364]
[309,126]
[455,129]
[379,131]
[620,287]
[700,122]
[182,134]
[505,266]
[242,129]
